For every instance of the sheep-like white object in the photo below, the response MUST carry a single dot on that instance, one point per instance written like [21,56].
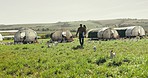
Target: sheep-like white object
[55,43]
[94,48]
[112,54]
[49,46]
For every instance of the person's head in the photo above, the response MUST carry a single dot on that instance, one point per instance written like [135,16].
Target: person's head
[84,26]
[80,25]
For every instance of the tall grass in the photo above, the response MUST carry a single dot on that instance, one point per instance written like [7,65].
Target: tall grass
[68,60]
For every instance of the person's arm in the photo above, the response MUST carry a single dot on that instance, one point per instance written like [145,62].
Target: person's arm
[77,32]
[85,31]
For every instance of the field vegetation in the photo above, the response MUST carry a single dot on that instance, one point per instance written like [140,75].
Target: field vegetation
[68,60]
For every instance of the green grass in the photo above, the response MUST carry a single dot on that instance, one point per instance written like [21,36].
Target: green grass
[66,60]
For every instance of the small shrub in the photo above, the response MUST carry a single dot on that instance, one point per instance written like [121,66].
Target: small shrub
[126,60]
[100,61]
[25,48]
[17,48]
[42,46]
[114,63]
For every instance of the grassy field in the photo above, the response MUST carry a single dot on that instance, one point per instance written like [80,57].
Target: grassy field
[67,60]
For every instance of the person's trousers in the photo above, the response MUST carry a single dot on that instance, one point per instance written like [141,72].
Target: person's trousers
[81,40]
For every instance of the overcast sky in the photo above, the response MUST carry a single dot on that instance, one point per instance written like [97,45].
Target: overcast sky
[50,11]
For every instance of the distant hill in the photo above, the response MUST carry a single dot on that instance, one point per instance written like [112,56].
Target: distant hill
[73,25]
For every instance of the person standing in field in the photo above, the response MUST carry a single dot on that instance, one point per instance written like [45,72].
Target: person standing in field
[85,30]
[81,30]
